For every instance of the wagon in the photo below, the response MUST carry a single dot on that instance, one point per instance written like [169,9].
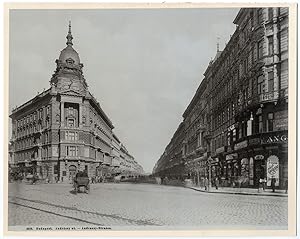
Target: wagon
[82,182]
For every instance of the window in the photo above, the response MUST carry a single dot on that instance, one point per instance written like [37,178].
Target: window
[260,124]
[271,81]
[260,82]
[71,136]
[72,151]
[251,19]
[71,122]
[271,45]
[259,16]
[245,65]
[270,122]
[270,13]
[228,113]
[260,49]
[71,111]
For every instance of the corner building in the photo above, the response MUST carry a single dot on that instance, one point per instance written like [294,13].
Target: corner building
[64,129]
[236,125]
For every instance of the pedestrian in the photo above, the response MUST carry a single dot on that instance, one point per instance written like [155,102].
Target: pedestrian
[286,186]
[34,178]
[206,183]
[264,183]
[273,181]
[260,185]
[217,183]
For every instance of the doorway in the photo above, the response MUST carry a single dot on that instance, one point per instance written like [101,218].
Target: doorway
[72,172]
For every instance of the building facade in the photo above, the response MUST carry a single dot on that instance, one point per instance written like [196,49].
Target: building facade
[236,124]
[64,129]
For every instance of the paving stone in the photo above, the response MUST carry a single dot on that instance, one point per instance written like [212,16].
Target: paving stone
[142,205]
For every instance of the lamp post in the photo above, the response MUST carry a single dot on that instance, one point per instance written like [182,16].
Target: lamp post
[209,172]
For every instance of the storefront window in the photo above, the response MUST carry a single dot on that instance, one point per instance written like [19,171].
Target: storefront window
[245,167]
[270,122]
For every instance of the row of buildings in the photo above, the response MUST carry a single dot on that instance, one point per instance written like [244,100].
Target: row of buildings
[236,125]
[64,129]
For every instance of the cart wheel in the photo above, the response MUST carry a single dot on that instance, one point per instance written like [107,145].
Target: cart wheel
[88,189]
[75,189]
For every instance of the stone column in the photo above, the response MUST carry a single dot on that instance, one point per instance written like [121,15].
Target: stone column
[62,115]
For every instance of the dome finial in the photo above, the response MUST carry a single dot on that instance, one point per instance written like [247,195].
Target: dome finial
[69,36]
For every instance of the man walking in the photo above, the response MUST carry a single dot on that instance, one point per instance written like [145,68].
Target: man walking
[217,183]
[206,183]
[273,181]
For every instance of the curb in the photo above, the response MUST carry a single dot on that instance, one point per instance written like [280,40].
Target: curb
[239,193]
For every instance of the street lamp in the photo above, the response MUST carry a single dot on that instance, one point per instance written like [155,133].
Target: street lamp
[209,172]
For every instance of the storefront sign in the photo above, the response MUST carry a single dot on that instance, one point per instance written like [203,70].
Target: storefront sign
[241,145]
[254,141]
[274,139]
[272,169]
[259,157]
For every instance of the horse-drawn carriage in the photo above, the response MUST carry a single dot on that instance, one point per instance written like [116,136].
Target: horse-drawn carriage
[81,180]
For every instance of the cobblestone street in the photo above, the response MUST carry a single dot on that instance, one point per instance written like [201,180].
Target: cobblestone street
[141,206]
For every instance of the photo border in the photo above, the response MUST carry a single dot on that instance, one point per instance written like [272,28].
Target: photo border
[292,124]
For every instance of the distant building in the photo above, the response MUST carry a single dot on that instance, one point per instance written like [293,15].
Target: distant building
[236,124]
[64,129]
[128,165]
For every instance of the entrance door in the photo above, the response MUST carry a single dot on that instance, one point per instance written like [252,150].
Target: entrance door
[72,172]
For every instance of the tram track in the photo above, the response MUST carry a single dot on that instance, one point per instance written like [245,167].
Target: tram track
[85,216]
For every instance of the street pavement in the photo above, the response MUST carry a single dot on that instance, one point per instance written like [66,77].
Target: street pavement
[141,206]
[243,191]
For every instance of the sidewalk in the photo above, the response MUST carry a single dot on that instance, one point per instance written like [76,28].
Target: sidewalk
[241,191]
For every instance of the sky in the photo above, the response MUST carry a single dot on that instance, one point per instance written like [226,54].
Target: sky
[142,65]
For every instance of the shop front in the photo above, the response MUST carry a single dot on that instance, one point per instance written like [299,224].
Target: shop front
[262,156]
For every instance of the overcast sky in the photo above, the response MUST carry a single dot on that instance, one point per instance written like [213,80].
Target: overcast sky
[143,66]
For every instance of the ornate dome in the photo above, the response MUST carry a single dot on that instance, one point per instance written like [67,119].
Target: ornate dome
[69,54]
